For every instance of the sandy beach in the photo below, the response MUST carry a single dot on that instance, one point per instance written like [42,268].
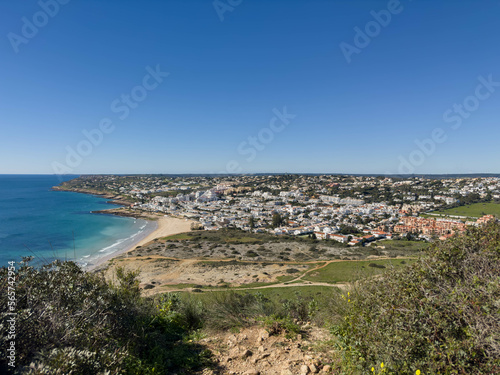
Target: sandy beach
[165,226]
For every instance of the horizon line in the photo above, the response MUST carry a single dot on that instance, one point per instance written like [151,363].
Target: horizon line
[255,173]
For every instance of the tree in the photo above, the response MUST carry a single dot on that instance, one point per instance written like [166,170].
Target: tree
[251,222]
[277,220]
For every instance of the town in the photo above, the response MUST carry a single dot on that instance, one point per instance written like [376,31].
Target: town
[353,210]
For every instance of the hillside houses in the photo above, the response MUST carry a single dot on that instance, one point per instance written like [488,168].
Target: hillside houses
[318,205]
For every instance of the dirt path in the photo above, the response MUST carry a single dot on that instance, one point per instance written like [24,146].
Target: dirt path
[174,274]
[291,284]
[286,284]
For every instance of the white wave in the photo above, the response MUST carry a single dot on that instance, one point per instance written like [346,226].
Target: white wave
[90,259]
[113,245]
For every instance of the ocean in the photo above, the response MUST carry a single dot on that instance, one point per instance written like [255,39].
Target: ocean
[36,221]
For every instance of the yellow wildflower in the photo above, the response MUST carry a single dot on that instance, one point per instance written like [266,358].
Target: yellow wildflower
[417,372]
[373,369]
[382,365]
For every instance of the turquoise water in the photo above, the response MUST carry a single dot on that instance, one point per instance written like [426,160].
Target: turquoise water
[35,221]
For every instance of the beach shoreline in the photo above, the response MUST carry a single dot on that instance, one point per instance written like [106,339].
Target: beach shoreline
[165,226]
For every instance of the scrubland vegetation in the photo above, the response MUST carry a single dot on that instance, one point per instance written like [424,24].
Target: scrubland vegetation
[438,314]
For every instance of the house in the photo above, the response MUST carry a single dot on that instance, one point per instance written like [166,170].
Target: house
[354,241]
[320,235]
[338,237]
[485,219]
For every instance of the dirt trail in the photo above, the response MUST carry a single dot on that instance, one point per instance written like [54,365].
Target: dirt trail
[160,274]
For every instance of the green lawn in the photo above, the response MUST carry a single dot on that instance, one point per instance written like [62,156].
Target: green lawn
[473,210]
[348,271]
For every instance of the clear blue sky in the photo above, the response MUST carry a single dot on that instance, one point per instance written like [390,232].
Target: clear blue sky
[227,79]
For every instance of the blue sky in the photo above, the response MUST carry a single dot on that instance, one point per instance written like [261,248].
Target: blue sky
[415,92]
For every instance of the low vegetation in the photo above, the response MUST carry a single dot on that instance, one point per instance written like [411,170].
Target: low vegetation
[472,210]
[438,314]
[71,321]
[350,271]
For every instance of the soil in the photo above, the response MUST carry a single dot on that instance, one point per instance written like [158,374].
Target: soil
[253,351]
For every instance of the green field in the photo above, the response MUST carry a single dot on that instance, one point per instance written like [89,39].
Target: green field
[278,293]
[291,292]
[348,271]
[403,245]
[472,210]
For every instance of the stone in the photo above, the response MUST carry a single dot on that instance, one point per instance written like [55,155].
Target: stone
[313,369]
[286,372]
[252,372]
[233,353]
[304,370]
[326,369]
[247,353]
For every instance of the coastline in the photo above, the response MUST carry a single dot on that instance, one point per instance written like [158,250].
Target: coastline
[128,245]
[115,199]
[158,225]
[165,226]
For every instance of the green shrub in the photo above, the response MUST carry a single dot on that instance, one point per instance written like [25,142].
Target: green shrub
[225,310]
[71,321]
[439,315]
[375,265]
[251,254]
[277,325]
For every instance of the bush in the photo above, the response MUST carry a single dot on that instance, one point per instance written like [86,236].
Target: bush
[71,321]
[300,308]
[438,315]
[225,310]
[277,325]
[375,265]
[251,254]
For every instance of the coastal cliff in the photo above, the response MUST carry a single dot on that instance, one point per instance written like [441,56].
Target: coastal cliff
[115,199]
